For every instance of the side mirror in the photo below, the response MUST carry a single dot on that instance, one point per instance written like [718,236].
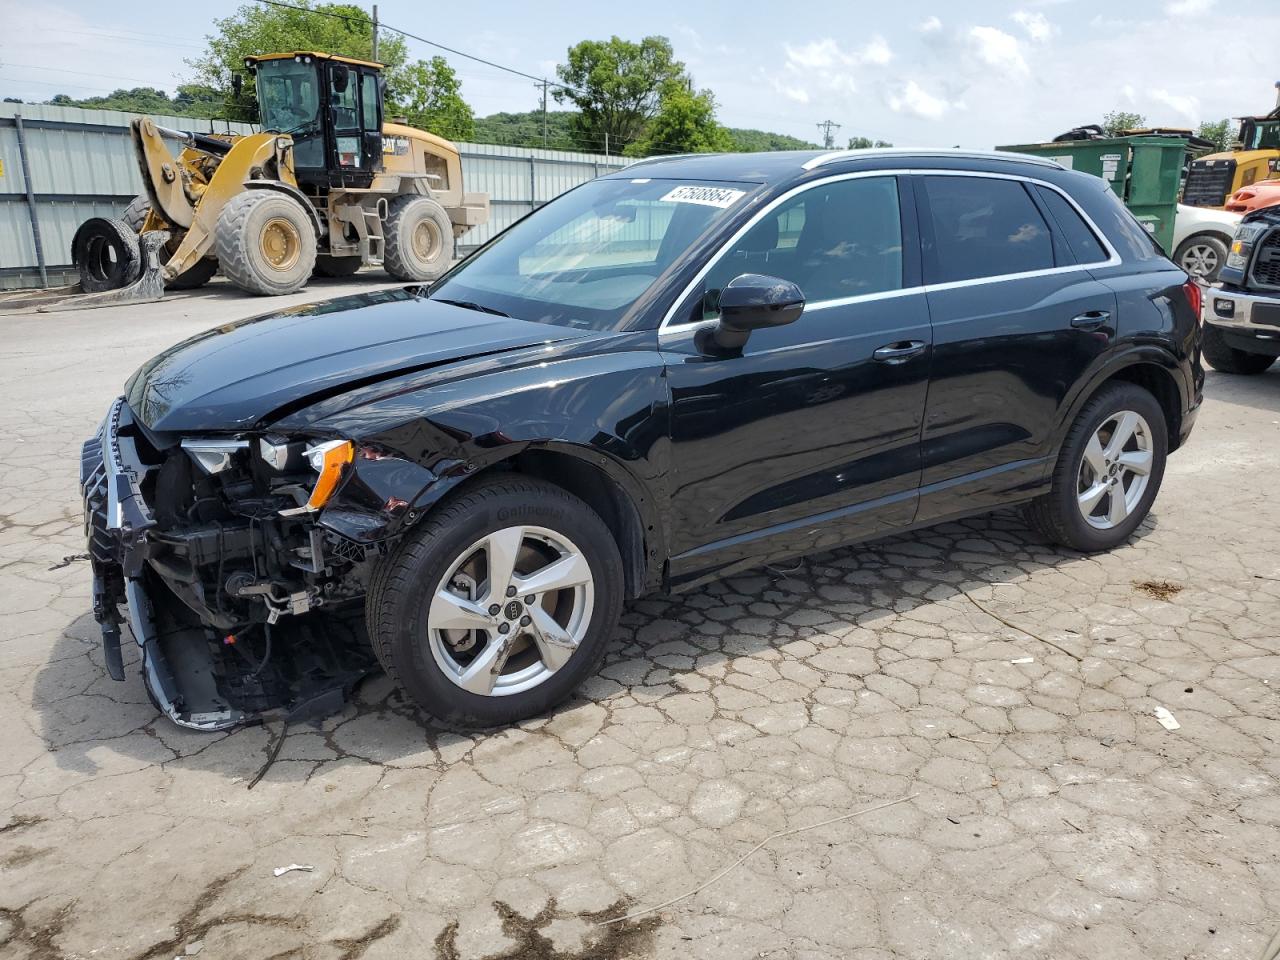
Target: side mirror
[341,77]
[751,302]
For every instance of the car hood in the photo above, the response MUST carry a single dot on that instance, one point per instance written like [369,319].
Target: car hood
[249,372]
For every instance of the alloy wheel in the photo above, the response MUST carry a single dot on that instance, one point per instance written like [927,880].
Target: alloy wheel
[1200,260]
[511,611]
[1114,470]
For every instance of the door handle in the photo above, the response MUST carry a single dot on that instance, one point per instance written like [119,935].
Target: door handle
[1091,320]
[900,352]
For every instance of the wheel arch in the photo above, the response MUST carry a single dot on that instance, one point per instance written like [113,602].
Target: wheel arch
[1151,369]
[291,191]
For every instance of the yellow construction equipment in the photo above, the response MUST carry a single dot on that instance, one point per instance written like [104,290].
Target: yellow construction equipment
[1253,157]
[327,187]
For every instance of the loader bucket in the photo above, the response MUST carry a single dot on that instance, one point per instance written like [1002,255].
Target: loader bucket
[140,278]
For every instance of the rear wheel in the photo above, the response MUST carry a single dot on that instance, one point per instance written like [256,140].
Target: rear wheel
[1226,358]
[1108,472]
[418,239]
[136,213]
[266,243]
[1201,256]
[328,266]
[499,604]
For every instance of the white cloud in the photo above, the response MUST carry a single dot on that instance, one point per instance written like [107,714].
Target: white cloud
[794,94]
[876,52]
[915,100]
[1187,107]
[1188,8]
[1037,25]
[826,53]
[930,25]
[999,50]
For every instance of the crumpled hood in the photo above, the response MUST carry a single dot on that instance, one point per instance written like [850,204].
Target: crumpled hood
[238,375]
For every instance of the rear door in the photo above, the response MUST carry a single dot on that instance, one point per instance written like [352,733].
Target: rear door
[810,436]
[1017,321]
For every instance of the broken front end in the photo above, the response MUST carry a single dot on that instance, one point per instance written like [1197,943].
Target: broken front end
[221,551]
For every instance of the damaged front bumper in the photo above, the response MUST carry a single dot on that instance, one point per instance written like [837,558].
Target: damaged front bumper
[201,677]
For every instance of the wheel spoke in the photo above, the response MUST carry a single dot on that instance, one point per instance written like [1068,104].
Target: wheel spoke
[482,673]
[1126,425]
[1119,508]
[569,571]
[1136,461]
[1094,457]
[1089,499]
[502,548]
[452,612]
[554,643]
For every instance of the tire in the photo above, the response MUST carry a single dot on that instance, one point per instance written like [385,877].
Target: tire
[197,276]
[106,254]
[418,239]
[1201,256]
[135,214]
[424,661]
[1227,359]
[327,266]
[1059,514]
[266,243]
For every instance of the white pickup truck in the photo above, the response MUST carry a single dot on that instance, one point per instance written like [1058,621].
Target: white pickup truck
[1201,239]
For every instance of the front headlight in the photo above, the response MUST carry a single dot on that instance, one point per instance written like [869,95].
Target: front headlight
[330,460]
[1242,244]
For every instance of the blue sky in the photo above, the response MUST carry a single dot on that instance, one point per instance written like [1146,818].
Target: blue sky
[915,73]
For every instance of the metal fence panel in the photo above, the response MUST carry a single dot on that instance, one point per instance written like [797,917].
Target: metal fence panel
[82,166]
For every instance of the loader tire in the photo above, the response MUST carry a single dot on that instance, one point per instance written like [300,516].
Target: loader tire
[328,266]
[136,213]
[266,243]
[418,239]
[106,254]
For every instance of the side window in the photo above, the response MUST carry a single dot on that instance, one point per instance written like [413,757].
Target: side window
[1084,244]
[369,102]
[983,227]
[840,239]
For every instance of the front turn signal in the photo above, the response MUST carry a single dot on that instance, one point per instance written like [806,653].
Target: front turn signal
[329,460]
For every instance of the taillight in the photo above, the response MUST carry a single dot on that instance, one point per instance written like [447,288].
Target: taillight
[1195,296]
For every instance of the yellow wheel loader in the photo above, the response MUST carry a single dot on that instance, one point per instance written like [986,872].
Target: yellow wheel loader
[326,188]
[1254,157]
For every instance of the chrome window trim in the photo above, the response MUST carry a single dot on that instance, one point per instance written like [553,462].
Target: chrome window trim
[1113,258]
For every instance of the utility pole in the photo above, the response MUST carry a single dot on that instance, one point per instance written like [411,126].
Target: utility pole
[544,112]
[828,128]
[606,143]
[374,56]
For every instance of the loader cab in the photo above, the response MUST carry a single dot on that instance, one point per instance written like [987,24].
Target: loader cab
[332,109]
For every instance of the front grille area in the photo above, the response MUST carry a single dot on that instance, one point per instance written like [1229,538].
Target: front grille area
[1266,262]
[1208,186]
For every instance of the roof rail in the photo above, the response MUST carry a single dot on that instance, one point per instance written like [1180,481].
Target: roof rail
[837,155]
[664,156]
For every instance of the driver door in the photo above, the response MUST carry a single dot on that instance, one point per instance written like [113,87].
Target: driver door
[810,437]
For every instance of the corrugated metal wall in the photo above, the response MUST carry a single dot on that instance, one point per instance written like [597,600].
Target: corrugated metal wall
[82,166]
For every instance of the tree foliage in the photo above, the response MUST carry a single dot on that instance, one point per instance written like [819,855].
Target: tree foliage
[685,123]
[190,100]
[525,130]
[1218,132]
[866,143]
[755,141]
[255,29]
[427,93]
[1117,121]
[617,86]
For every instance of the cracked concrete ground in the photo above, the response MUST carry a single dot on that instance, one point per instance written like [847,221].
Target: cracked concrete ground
[1052,816]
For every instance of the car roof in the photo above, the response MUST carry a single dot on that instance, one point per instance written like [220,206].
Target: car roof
[785,166]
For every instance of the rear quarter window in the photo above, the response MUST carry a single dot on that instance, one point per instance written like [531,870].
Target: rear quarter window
[1126,234]
[1071,226]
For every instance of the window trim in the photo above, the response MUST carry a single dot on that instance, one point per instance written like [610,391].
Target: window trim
[668,325]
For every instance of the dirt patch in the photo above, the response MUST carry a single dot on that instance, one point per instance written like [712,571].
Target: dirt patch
[22,856]
[631,938]
[1158,589]
[20,823]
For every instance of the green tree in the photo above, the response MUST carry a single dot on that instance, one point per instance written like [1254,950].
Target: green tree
[756,141]
[866,143]
[685,123]
[525,130]
[617,86]
[1117,121]
[427,93]
[1219,133]
[256,29]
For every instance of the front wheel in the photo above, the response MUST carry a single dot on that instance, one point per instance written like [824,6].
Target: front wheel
[1227,359]
[499,604]
[1108,472]
[266,243]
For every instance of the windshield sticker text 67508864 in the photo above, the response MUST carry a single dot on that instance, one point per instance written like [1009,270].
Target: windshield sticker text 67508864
[707,196]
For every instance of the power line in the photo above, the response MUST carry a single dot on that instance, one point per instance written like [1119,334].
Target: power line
[828,128]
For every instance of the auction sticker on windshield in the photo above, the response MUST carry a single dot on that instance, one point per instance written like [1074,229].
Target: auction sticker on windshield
[707,196]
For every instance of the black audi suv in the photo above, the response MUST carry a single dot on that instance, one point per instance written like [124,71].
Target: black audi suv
[685,369]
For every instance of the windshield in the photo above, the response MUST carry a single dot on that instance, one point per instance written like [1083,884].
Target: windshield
[1265,135]
[585,258]
[288,95]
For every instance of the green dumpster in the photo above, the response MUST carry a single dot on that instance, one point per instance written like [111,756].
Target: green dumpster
[1144,171]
